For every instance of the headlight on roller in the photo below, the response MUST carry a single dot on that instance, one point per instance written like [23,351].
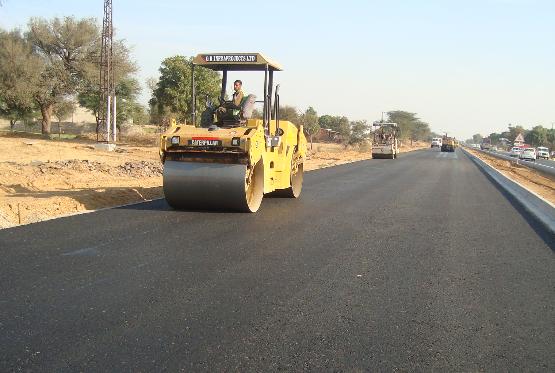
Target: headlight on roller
[236,141]
[175,140]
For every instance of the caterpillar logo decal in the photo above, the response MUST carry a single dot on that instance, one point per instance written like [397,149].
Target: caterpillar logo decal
[205,141]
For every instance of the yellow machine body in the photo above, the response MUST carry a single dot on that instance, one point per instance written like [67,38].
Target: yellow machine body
[448,144]
[248,146]
[251,148]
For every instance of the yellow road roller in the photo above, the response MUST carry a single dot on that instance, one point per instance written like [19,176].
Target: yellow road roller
[230,160]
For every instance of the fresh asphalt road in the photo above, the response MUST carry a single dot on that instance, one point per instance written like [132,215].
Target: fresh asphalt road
[416,264]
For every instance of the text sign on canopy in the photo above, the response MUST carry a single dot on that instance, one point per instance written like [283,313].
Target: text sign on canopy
[249,58]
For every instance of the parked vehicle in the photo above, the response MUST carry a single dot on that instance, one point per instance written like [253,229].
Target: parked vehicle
[543,152]
[515,151]
[528,154]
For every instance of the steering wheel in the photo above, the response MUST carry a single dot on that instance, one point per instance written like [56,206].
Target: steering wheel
[228,104]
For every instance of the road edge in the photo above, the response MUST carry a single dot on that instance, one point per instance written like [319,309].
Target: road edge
[536,206]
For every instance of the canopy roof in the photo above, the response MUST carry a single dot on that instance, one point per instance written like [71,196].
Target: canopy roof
[235,61]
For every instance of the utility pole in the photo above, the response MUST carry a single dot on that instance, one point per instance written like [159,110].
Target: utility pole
[106,114]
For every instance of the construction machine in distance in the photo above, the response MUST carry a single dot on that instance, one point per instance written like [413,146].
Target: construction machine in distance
[232,160]
[486,143]
[448,144]
[385,143]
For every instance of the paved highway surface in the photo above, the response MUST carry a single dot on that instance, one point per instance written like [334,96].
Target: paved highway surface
[419,263]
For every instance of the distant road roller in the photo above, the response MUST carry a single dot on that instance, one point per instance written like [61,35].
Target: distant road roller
[231,160]
[385,143]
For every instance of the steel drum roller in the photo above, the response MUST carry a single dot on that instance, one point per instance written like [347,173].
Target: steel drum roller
[212,186]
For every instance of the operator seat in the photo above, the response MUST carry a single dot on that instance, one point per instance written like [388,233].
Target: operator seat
[247,106]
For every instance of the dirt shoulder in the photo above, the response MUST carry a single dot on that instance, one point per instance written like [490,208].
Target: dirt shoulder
[42,179]
[532,180]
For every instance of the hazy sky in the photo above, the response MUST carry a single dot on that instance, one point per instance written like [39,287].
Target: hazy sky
[465,66]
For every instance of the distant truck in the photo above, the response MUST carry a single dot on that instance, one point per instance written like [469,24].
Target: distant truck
[448,144]
[385,143]
[486,144]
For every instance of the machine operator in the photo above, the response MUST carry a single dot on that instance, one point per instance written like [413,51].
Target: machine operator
[236,101]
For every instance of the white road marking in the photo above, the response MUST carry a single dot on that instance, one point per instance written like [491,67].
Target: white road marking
[89,251]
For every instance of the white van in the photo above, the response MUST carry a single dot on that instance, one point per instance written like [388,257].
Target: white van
[515,151]
[436,142]
[543,152]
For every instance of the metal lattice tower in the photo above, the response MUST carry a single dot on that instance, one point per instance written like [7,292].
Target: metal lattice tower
[105,117]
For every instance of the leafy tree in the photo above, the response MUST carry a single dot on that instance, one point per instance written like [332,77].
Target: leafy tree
[64,48]
[405,120]
[286,112]
[57,58]
[494,137]
[18,73]
[410,126]
[15,113]
[173,90]
[127,92]
[551,137]
[139,114]
[537,136]
[62,110]
[336,123]
[127,87]
[515,131]
[289,113]
[420,131]
[309,120]
[359,131]
[477,138]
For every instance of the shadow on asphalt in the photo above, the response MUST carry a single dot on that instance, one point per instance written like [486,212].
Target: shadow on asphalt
[161,205]
[540,230]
